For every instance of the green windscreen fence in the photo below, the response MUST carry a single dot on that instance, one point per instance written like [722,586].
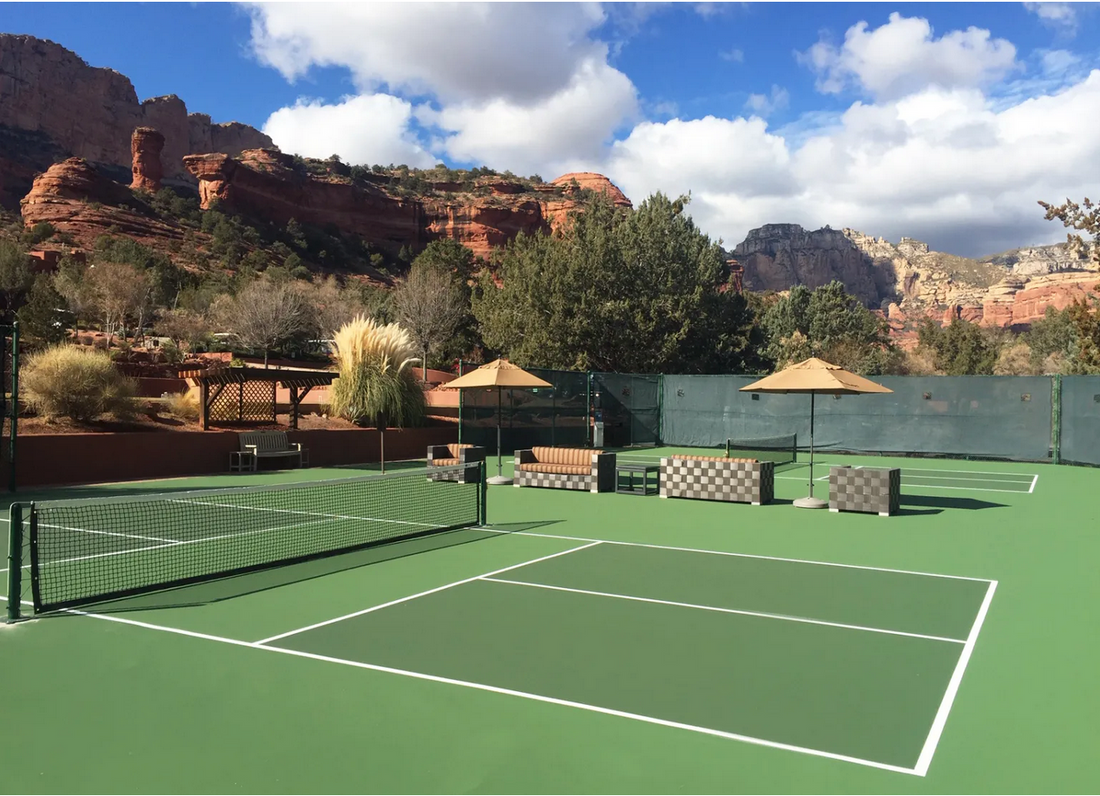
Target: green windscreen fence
[554,416]
[1005,417]
[1080,415]
[629,406]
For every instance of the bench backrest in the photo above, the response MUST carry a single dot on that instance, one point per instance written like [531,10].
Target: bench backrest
[564,455]
[265,440]
[711,459]
[454,447]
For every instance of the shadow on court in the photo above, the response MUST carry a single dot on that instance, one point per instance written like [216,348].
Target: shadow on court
[942,502]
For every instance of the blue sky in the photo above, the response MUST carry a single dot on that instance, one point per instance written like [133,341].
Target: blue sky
[944,122]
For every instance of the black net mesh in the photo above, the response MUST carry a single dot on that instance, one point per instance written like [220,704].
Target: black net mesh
[85,551]
[780,450]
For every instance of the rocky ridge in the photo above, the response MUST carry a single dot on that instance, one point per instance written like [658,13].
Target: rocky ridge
[90,112]
[908,281]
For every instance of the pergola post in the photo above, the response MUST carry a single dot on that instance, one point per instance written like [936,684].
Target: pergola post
[204,403]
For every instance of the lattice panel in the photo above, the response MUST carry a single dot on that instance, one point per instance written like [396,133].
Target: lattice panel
[244,402]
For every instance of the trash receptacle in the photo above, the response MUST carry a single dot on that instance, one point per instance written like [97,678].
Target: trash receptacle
[597,434]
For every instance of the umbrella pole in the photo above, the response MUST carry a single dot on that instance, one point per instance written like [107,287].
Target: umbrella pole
[499,478]
[811,502]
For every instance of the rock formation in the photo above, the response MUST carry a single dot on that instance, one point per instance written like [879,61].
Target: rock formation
[76,198]
[145,148]
[90,112]
[264,183]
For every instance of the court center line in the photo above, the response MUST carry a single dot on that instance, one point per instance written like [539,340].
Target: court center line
[490,529]
[761,614]
[940,721]
[508,692]
[373,608]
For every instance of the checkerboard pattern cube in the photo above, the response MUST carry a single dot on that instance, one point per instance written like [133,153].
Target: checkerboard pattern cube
[737,482]
[873,490]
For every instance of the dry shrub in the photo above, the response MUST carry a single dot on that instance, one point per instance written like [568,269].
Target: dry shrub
[184,405]
[77,383]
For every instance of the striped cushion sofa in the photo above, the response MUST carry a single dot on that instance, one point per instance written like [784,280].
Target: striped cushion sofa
[566,468]
[453,454]
[718,478]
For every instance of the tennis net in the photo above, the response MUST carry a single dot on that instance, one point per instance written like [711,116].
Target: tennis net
[781,450]
[84,551]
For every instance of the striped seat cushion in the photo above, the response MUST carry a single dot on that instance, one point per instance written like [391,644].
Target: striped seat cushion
[444,462]
[561,469]
[569,456]
[455,447]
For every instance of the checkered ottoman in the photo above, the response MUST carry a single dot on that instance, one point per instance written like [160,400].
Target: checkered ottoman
[873,490]
[717,479]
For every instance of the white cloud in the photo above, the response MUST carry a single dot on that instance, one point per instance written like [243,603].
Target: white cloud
[734,55]
[903,56]
[1060,16]
[943,165]
[457,52]
[368,129]
[767,104]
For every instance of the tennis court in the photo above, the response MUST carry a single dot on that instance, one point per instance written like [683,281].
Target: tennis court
[574,642]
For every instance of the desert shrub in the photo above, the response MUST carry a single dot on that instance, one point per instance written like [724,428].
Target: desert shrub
[376,381]
[66,381]
[183,405]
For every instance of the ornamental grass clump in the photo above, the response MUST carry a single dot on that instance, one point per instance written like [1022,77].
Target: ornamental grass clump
[376,380]
[76,383]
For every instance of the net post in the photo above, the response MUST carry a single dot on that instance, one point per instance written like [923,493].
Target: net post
[1056,419]
[483,496]
[15,560]
[35,590]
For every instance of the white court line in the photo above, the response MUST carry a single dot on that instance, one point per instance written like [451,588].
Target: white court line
[909,485]
[1034,481]
[784,617]
[422,594]
[509,692]
[110,533]
[940,721]
[958,480]
[490,529]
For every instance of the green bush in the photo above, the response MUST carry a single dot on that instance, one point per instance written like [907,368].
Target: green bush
[66,381]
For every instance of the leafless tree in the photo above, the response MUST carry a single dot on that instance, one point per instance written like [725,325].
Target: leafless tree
[265,314]
[333,306]
[113,293]
[184,327]
[430,304]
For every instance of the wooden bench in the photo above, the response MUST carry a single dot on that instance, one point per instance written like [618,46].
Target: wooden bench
[256,445]
[566,468]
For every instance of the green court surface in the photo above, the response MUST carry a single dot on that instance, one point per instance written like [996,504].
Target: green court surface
[587,643]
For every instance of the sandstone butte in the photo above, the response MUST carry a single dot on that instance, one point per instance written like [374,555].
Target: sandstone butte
[54,105]
[265,184]
[146,146]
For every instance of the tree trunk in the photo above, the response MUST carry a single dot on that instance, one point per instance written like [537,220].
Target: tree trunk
[425,363]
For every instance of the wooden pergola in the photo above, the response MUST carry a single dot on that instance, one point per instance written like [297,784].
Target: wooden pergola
[230,396]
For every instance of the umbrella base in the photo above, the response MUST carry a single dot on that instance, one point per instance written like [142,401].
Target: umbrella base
[811,503]
[499,480]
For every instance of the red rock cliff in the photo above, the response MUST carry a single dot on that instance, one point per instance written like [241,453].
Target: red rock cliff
[265,184]
[90,112]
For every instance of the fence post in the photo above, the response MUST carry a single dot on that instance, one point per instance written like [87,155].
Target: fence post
[660,408]
[588,410]
[460,404]
[13,405]
[1056,419]
[15,560]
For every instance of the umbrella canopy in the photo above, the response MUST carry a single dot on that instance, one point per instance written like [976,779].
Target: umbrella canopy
[500,373]
[815,375]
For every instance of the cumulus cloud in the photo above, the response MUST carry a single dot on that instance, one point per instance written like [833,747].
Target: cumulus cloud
[903,56]
[943,165]
[734,55]
[367,129]
[457,52]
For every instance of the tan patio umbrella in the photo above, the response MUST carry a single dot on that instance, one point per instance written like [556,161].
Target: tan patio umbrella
[502,375]
[815,376]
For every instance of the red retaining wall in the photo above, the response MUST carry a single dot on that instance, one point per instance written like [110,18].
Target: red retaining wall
[56,459]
